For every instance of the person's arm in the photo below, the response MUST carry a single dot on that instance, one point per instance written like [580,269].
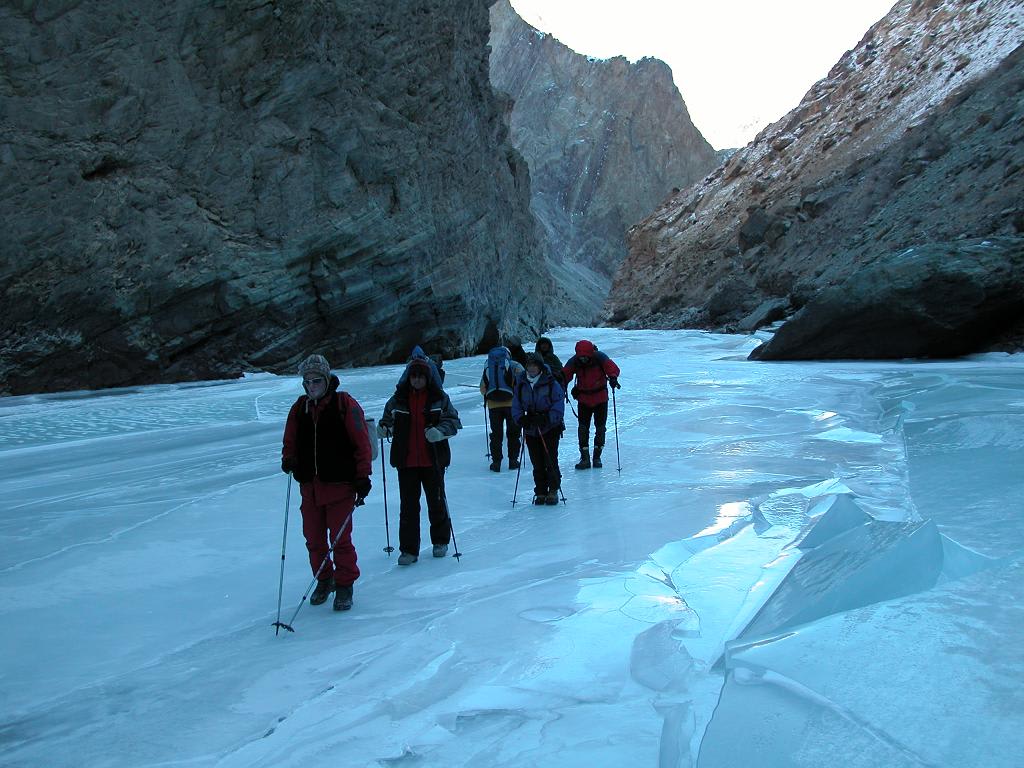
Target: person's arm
[290,442]
[386,425]
[517,404]
[569,370]
[611,370]
[557,414]
[449,423]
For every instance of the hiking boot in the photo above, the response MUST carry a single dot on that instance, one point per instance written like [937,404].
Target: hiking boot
[540,498]
[495,465]
[597,456]
[584,459]
[343,597]
[513,464]
[552,498]
[406,559]
[324,587]
[440,550]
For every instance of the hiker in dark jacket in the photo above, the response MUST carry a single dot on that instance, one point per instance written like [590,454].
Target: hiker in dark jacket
[515,348]
[538,406]
[498,400]
[545,349]
[420,418]
[326,448]
[594,372]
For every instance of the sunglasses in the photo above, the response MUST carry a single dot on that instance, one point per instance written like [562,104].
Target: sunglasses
[313,381]
[417,375]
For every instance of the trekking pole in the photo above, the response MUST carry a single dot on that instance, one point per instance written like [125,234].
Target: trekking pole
[316,576]
[519,469]
[384,476]
[443,498]
[284,540]
[487,432]
[547,461]
[615,415]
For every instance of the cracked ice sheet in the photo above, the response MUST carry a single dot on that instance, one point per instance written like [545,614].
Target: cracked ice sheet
[164,504]
[930,679]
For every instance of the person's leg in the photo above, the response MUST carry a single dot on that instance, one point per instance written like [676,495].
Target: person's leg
[584,436]
[540,472]
[515,445]
[600,426]
[409,511]
[340,514]
[437,511]
[314,530]
[583,432]
[552,439]
[497,420]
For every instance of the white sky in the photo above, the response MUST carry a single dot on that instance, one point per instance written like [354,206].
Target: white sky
[739,64]
[140,555]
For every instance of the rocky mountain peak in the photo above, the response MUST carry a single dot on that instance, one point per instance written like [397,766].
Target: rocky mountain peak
[880,155]
[605,139]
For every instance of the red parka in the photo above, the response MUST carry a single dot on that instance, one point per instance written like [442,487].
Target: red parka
[591,378]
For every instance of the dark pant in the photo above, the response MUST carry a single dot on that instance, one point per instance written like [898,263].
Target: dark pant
[543,449]
[410,481]
[600,414]
[500,419]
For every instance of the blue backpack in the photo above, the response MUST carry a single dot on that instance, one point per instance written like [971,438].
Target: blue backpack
[499,378]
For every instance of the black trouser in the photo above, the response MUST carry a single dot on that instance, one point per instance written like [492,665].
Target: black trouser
[410,480]
[500,419]
[547,478]
[600,414]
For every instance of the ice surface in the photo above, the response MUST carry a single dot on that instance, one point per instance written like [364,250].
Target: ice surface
[141,536]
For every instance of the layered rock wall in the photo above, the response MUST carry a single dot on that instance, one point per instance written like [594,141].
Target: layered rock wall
[191,190]
[915,137]
[606,141]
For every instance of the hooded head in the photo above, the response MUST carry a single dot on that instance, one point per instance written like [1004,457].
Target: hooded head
[316,375]
[544,345]
[513,341]
[534,359]
[585,348]
[420,363]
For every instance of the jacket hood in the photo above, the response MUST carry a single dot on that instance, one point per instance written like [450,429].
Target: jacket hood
[419,359]
[585,348]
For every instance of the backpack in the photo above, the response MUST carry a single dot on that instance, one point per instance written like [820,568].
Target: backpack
[370,425]
[499,379]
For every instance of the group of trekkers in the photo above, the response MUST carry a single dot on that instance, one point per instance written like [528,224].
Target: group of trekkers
[327,447]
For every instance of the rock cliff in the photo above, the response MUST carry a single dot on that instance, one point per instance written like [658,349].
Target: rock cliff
[606,141]
[192,190]
[915,138]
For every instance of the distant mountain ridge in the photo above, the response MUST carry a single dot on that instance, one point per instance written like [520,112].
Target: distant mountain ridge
[605,140]
[914,138]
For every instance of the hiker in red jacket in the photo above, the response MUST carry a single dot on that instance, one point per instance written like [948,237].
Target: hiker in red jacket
[327,449]
[594,372]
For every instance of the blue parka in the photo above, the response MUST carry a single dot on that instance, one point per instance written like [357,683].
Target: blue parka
[545,397]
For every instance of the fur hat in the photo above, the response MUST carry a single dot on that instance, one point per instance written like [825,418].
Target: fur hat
[315,364]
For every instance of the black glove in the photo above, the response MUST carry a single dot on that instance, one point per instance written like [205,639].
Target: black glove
[614,382]
[362,486]
[575,392]
[526,420]
[289,464]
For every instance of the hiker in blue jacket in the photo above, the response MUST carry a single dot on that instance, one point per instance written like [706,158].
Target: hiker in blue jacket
[496,386]
[538,406]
